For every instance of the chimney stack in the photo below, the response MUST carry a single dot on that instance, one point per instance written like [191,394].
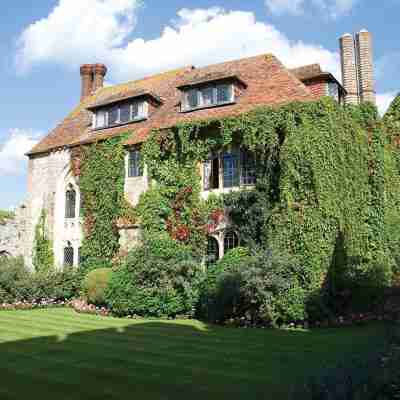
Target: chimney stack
[86,80]
[349,71]
[363,44]
[100,71]
[357,67]
[92,78]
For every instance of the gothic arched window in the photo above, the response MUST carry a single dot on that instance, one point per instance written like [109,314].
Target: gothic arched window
[231,240]
[70,203]
[212,251]
[69,256]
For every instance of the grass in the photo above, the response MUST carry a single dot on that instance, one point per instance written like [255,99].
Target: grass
[58,354]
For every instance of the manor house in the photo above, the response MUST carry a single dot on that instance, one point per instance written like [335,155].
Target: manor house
[161,101]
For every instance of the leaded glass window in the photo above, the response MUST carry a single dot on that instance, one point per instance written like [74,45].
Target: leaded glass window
[212,251]
[224,93]
[231,169]
[125,113]
[69,256]
[231,241]
[134,168]
[248,168]
[70,203]
[192,99]
[113,116]
[207,96]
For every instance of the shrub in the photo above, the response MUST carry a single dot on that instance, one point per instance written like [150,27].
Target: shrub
[91,264]
[206,307]
[263,287]
[12,272]
[17,283]
[160,278]
[95,285]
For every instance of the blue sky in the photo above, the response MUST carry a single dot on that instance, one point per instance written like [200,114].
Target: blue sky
[42,47]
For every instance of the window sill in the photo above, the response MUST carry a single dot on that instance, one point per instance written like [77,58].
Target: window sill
[207,192]
[120,124]
[227,103]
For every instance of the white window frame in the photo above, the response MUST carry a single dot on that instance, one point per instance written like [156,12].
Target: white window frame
[221,188]
[143,107]
[200,103]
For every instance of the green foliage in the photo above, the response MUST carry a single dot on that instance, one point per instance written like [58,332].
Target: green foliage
[17,283]
[321,172]
[5,215]
[43,256]
[160,278]
[12,271]
[102,187]
[95,284]
[262,287]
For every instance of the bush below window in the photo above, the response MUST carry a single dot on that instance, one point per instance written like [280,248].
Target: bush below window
[263,287]
[159,279]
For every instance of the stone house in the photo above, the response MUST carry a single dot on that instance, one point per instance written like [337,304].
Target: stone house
[161,101]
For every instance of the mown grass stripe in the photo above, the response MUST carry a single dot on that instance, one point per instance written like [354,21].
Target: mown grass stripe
[91,357]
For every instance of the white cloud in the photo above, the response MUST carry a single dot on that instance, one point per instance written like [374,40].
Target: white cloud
[76,30]
[196,36]
[329,8]
[279,7]
[13,149]
[383,101]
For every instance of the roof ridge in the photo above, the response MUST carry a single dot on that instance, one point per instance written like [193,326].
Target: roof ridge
[175,71]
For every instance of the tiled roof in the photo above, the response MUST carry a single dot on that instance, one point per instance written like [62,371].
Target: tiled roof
[268,83]
[307,72]
[311,72]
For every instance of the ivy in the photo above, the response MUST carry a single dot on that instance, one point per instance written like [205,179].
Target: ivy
[328,188]
[321,179]
[43,256]
[102,174]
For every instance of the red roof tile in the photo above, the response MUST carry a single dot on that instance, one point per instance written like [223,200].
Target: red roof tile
[268,83]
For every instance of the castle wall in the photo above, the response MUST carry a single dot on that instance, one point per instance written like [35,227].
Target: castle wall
[44,173]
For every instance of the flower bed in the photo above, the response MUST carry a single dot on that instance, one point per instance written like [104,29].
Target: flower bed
[81,306]
[26,305]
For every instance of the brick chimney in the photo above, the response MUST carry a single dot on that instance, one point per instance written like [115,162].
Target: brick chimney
[100,71]
[86,80]
[349,71]
[92,78]
[365,65]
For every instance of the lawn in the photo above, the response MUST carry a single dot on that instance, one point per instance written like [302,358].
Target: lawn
[58,354]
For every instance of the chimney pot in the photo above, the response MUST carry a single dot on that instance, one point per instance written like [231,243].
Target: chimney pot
[349,72]
[363,44]
[86,72]
[100,71]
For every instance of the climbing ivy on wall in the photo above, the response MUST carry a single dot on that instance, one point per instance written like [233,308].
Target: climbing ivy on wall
[43,256]
[320,181]
[101,182]
[391,124]
[328,188]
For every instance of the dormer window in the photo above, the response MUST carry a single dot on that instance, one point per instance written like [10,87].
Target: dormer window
[208,96]
[119,114]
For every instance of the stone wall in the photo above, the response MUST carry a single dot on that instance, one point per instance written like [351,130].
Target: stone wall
[13,235]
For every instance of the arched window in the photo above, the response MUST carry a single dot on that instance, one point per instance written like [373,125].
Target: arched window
[69,256]
[212,251]
[231,240]
[70,203]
